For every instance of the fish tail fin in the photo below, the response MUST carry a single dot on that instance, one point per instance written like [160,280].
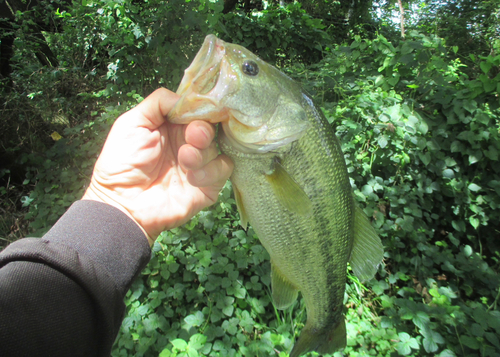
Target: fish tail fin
[324,341]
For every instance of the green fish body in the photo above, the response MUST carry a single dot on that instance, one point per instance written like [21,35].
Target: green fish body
[290,183]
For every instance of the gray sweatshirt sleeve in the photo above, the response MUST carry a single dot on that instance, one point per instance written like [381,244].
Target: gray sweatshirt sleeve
[62,294]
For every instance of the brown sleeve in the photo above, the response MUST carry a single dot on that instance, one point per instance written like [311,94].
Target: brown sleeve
[62,294]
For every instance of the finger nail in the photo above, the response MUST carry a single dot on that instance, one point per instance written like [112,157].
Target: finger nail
[199,174]
[205,131]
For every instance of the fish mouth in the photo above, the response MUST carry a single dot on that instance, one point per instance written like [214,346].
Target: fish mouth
[206,62]
[200,88]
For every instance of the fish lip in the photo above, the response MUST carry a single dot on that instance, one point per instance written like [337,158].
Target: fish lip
[208,58]
[201,83]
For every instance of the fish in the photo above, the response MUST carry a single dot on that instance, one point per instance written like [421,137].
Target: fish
[290,182]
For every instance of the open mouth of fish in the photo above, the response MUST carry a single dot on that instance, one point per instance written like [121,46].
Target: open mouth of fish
[200,88]
[203,73]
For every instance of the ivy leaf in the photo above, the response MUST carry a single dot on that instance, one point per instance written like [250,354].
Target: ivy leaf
[474,187]
[425,157]
[165,353]
[429,345]
[470,342]
[447,353]
[431,340]
[195,319]
[180,344]
[406,343]
[474,221]
[382,141]
[228,310]
[485,66]
[197,341]
[421,320]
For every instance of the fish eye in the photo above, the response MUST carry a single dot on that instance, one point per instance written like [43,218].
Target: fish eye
[250,68]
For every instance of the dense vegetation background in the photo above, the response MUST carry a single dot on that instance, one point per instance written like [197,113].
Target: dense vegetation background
[416,108]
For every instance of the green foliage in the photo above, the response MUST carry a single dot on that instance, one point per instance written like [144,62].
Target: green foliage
[62,172]
[136,46]
[277,34]
[419,123]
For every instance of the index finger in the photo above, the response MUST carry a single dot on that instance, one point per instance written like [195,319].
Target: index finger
[155,107]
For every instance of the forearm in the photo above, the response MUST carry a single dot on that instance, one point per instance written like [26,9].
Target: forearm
[63,294]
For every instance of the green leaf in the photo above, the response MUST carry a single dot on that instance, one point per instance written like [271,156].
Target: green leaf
[165,353]
[477,330]
[228,310]
[406,344]
[470,342]
[173,267]
[485,66]
[379,80]
[197,341]
[469,105]
[493,339]
[474,187]
[180,344]
[367,190]
[448,173]
[421,319]
[429,345]
[425,157]
[195,319]
[447,353]
[475,157]
[382,141]
[488,84]
[474,221]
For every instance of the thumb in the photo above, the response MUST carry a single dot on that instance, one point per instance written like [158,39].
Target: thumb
[154,109]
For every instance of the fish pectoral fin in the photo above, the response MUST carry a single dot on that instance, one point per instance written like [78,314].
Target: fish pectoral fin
[240,207]
[288,191]
[367,251]
[284,293]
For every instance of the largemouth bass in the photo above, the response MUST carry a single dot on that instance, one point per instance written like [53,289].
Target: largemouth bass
[290,183]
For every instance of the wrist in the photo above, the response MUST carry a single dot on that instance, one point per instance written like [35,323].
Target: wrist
[93,194]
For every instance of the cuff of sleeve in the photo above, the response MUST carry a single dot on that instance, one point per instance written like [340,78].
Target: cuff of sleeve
[105,235]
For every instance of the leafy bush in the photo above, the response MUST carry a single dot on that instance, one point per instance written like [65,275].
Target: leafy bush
[277,34]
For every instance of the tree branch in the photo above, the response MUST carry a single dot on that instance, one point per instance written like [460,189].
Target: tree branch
[402,12]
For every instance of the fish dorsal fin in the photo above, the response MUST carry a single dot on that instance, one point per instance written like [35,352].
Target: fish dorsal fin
[284,293]
[367,251]
[288,192]
[240,207]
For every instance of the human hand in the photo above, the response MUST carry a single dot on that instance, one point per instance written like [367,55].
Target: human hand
[159,174]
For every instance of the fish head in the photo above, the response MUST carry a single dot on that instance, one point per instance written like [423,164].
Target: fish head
[259,107]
